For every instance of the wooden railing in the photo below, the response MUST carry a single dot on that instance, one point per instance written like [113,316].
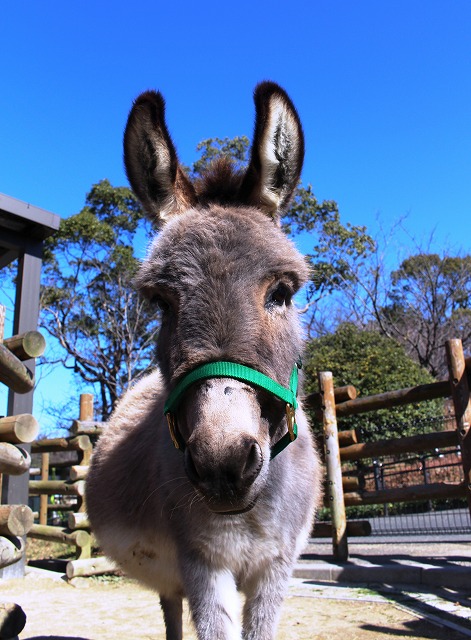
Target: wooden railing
[339,494]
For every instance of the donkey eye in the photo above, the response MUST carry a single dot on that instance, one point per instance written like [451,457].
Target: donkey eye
[279,296]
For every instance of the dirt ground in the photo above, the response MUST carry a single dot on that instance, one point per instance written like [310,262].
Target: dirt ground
[90,609]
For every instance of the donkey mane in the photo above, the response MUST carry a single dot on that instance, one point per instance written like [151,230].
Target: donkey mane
[220,184]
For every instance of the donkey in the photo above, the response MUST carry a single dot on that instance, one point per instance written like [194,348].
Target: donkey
[222,499]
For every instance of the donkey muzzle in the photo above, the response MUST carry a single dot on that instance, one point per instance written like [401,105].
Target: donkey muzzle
[225,480]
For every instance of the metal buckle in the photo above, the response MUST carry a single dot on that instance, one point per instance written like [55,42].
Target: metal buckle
[291,421]
[172,429]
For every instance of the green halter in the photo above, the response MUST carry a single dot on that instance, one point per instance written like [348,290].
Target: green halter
[245,374]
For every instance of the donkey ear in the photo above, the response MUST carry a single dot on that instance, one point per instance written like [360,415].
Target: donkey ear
[151,161]
[277,151]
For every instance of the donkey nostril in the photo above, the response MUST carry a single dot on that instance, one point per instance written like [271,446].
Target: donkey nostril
[253,463]
[192,470]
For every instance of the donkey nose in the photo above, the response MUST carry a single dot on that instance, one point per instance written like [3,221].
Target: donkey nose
[237,469]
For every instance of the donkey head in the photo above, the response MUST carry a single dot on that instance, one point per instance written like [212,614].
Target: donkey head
[224,276]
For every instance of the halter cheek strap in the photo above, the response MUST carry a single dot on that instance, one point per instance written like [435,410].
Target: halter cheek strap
[245,374]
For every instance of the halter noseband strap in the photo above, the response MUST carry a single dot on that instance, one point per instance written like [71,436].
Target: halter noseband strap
[245,374]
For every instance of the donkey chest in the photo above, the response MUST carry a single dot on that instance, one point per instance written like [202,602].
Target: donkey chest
[236,545]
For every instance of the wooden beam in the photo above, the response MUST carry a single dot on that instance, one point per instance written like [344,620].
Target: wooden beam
[59,487]
[354,529]
[341,394]
[462,405]
[88,427]
[12,549]
[413,493]
[30,344]
[78,472]
[78,520]
[15,519]
[90,567]
[59,534]
[43,498]
[20,429]
[408,444]
[347,438]
[333,467]
[396,398]
[79,443]
[13,372]
[13,460]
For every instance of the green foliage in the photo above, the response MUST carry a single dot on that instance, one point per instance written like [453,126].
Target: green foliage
[373,364]
[337,246]
[105,332]
[235,148]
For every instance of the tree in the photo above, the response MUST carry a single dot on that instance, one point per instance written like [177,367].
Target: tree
[430,301]
[338,250]
[373,363]
[105,332]
[213,148]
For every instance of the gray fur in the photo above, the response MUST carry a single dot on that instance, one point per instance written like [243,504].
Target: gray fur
[221,517]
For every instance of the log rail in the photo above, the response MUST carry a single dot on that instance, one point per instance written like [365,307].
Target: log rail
[69,492]
[16,520]
[457,386]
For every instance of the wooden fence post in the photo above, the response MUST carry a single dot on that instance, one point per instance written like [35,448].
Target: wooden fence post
[86,407]
[43,498]
[462,406]
[334,468]
[86,415]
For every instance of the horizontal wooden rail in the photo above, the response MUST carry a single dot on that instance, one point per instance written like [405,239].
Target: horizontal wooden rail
[78,472]
[78,521]
[15,519]
[347,438]
[14,461]
[87,427]
[13,372]
[413,493]
[56,487]
[341,394]
[60,506]
[349,483]
[89,567]
[389,399]
[31,344]
[12,549]
[81,539]
[408,444]
[79,443]
[354,528]
[20,429]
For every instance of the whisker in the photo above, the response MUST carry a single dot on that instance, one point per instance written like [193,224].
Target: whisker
[163,485]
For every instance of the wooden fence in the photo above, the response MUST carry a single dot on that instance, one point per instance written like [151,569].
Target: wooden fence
[340,449]
[339,495]
[16,520]
[65,494]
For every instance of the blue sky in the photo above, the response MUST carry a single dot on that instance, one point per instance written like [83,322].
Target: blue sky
[383,89]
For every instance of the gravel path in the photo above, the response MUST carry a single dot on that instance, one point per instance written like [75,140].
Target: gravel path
[91,609]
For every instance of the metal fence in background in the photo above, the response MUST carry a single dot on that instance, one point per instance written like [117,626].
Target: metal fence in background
[430,517]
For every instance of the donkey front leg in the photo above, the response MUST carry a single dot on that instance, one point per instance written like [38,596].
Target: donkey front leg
[264,596]
[214,603]
[173,610]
